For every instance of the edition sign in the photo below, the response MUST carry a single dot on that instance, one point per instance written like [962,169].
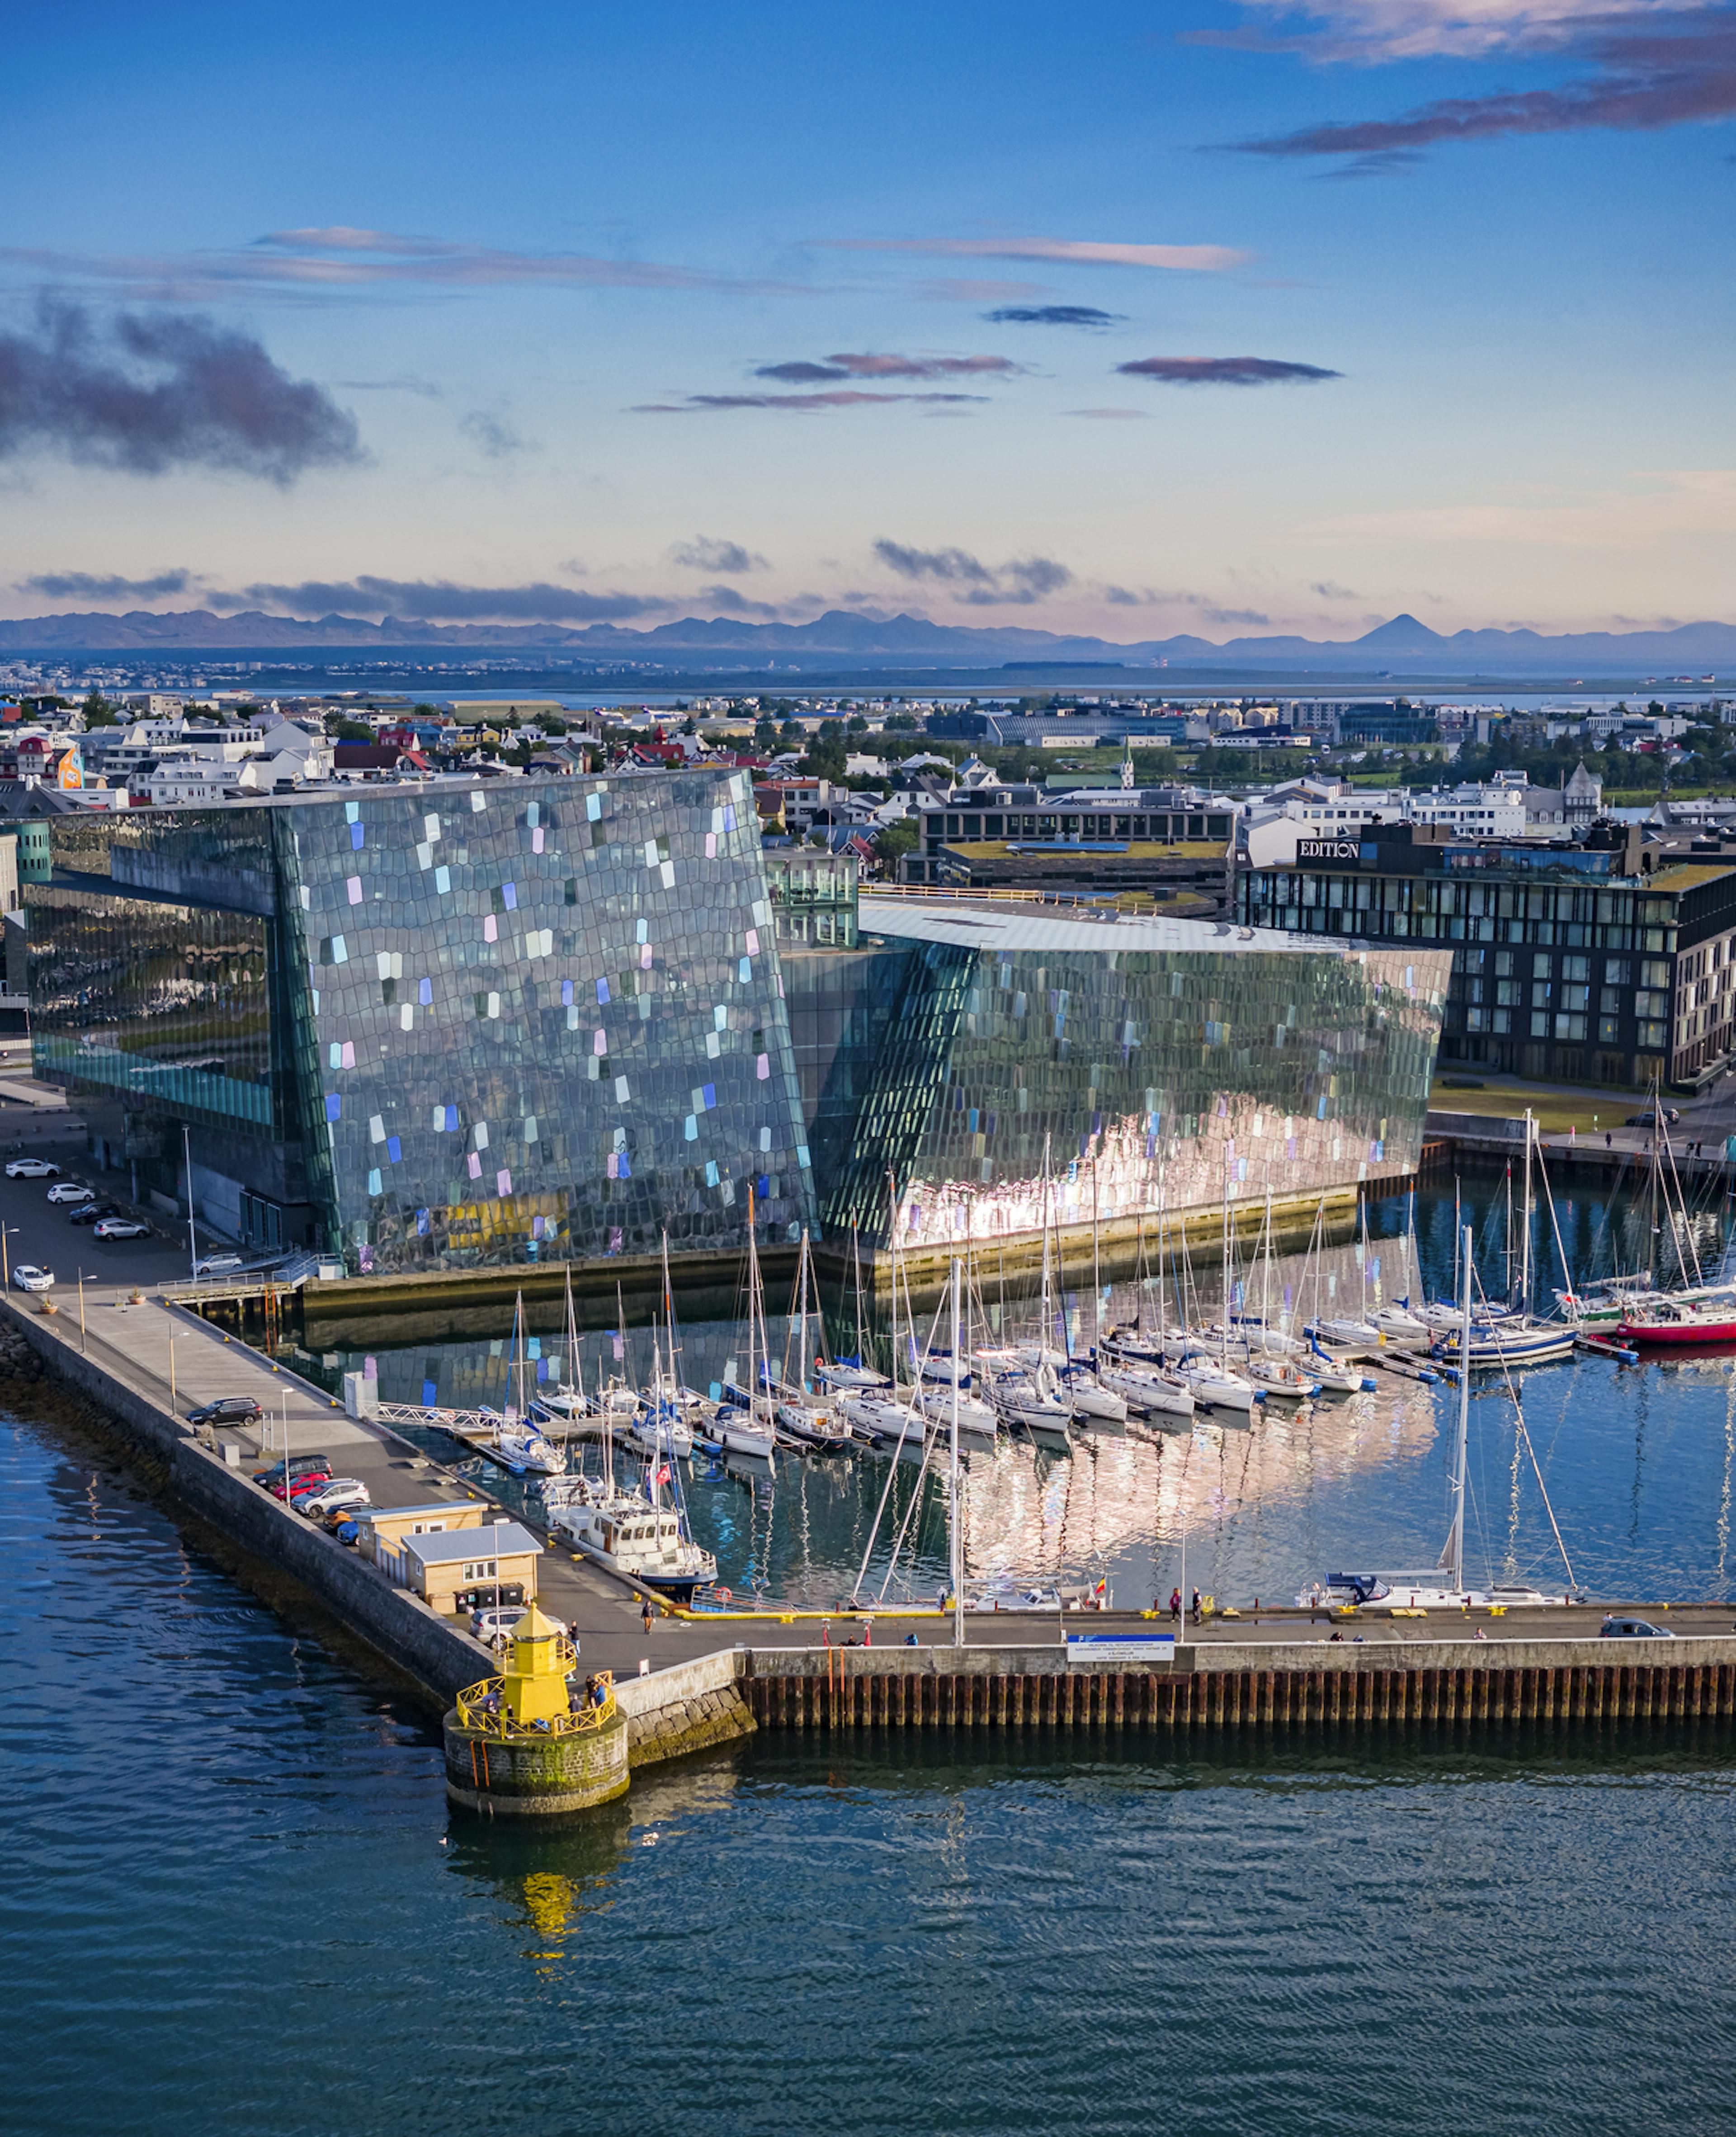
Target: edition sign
[1328,850]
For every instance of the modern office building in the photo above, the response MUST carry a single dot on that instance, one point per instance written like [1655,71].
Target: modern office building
[1159,1065]
[1609,962]
[987,820]
[435,1025]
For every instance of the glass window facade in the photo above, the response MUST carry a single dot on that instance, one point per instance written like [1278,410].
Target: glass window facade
[1167,1071]
[513,1021]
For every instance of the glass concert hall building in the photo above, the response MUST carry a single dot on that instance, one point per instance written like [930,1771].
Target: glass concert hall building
[465,1024]
[431,1026]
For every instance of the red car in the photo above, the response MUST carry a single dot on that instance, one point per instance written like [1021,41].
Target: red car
[315,1480]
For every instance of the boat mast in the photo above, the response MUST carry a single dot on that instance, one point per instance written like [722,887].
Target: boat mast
[1455,1542]
[1096,1264]
[801,1314]
[856,1256]
[958,1536]
[1042,1334]
[1524,1233]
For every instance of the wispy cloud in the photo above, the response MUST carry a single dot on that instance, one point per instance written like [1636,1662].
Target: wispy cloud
[1109,415]
[147,394]
[792,403]
[442,600]
[494,437]
[1051,315]
[108,586]
[1018,584]
[1224,371]
[1655,510]
[1329,589]
[804,372]
[1652,67]
[1184,258]
[1372,30]
[336,258]
[703,553]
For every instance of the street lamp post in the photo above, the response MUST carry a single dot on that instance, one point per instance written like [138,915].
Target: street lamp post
[7,1231]
[192,1237]
[83,1346]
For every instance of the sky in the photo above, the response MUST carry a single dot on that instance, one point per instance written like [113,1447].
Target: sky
[1219,316]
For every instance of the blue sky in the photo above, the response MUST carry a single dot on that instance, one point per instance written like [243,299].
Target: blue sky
[575,311]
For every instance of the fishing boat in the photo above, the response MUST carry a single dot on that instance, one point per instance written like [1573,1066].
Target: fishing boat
[639,1539]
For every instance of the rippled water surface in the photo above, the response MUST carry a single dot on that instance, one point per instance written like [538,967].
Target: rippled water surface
[236,1902]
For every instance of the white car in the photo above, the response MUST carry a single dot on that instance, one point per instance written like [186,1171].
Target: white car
[216,1264]
[31,1168]
[69,1191]
[341,1492]
[27,1276]
[494,1627]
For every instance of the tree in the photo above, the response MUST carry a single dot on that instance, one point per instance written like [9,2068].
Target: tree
[764,732]
[826,753]
[858,725]
[790,734]
[342,730]
[895,841]
[903,723]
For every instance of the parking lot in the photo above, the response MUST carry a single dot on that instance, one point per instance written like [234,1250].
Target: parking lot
[40,1231]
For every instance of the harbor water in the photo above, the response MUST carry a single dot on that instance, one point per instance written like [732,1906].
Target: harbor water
[237,1902]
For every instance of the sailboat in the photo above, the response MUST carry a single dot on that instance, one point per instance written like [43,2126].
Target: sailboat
[1441,1586]
[518,1444]
[853,1374]
[746,1423]
[1516,1336]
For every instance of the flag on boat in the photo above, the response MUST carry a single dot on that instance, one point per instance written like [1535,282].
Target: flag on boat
[620,1348]
[662,1474]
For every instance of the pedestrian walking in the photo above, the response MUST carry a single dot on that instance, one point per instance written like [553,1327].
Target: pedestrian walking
[1196,1606]
[645,1616]
[1175,1606]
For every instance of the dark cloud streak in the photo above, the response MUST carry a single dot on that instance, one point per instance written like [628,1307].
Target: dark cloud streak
[1225,371]
[867,365]
[1018,584]
[1051,315]
[147,392]
[440,600]
[107,585]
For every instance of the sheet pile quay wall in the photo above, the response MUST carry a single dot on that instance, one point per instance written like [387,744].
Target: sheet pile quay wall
[1429,1683]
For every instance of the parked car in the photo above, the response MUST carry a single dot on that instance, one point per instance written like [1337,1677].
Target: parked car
[494,1625]
[300,1465]
[299,1486]
[121,1228]
[69,1191]
[27,1276]
[216,1264]
[31,1168]
[339,1493]
[1634,1629]
[93,1212]
[226,1409]
[348,1532]
[1645,1120]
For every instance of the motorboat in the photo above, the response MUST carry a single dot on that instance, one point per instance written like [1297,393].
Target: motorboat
[1147,1390]
[1662,1322]
[630,1537]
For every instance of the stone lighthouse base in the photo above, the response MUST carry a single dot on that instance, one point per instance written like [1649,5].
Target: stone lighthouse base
[528,1774]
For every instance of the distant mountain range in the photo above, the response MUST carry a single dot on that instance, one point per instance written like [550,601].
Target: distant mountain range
[847,637]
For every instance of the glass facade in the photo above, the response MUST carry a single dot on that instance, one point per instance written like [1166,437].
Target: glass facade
[465,1025]
[1185,1063]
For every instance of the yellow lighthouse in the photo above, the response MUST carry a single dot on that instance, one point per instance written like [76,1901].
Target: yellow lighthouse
[535,1687]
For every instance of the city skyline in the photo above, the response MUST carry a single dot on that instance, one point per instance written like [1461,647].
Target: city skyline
[1247,319]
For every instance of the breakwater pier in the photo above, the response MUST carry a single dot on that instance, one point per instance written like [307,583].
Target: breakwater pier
[691,1679]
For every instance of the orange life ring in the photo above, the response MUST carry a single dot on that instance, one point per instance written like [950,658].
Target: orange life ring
[723,1595]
